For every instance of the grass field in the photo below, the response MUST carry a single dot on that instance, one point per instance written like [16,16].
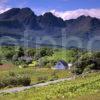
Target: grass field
[66,55]
[80,89]
[37,75]
[95,96]
[84,87]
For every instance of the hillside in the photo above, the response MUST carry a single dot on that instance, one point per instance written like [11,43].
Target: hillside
[82,87]
[22,26]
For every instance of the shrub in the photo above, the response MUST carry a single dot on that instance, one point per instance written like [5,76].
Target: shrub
[12,74]
[54,76]
[86,63]
[24,80]
[79,71]
[87,70]
[13,80]
[5,81]
[49,65]
[43,62]
[91,66]
[1,85]
[43,52]
[42,79]
[30,52]
[1,63]
[24,65]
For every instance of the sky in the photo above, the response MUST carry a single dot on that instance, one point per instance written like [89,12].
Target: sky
[67,9]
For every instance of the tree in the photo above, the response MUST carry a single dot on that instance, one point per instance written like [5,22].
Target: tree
[30,52]
[43,52]
[20,52]
[85,63]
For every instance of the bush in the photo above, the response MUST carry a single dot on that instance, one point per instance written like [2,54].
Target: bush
[1,63]
[86,63]
[24,80]
[54,76]
[13,80]
[87,70]
[91,66]
[7,81]
[49,65]
[24,66]
[12,74]
[1,85]
[79,71]
[43,62]
[42,79]
[42,52]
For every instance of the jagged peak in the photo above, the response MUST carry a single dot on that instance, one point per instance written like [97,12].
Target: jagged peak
[11,11]
[14,11]
[48,14]
[83,16]
[26,10]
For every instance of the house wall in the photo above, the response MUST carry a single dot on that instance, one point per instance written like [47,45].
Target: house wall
[59,66]
[69,66]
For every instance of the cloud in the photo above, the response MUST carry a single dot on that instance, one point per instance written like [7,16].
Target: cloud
[66,15]
[3,9]
[3,6]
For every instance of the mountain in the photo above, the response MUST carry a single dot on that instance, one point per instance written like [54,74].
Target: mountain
[23,27]
[48,19]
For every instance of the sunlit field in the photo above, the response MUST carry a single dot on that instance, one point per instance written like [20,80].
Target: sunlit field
[37,75]
[79,89]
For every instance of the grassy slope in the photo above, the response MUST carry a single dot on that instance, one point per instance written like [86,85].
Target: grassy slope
[67,55]
[46,73]
[95,96]
[35,73]
[69,90]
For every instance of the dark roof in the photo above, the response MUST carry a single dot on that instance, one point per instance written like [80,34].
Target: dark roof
[63,62]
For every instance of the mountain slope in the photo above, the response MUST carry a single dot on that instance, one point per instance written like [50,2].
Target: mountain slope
[23,24]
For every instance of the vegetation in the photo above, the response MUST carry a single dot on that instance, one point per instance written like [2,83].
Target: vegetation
[25,66]
[68,90]
[18,77]
[15,80]
[87,62]
[45,57]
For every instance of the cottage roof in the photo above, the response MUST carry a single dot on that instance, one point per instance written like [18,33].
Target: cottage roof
[63,62]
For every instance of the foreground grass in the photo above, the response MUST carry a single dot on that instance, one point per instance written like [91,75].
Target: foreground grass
[69,90]
[37,75]
[95,96]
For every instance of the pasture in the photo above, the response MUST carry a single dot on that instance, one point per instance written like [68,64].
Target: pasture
[80,89]
[36,75]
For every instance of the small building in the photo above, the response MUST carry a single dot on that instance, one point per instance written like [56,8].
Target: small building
[60,65]
[70,65]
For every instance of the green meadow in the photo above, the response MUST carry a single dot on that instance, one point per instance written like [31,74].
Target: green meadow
[25,67]
[79,89]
